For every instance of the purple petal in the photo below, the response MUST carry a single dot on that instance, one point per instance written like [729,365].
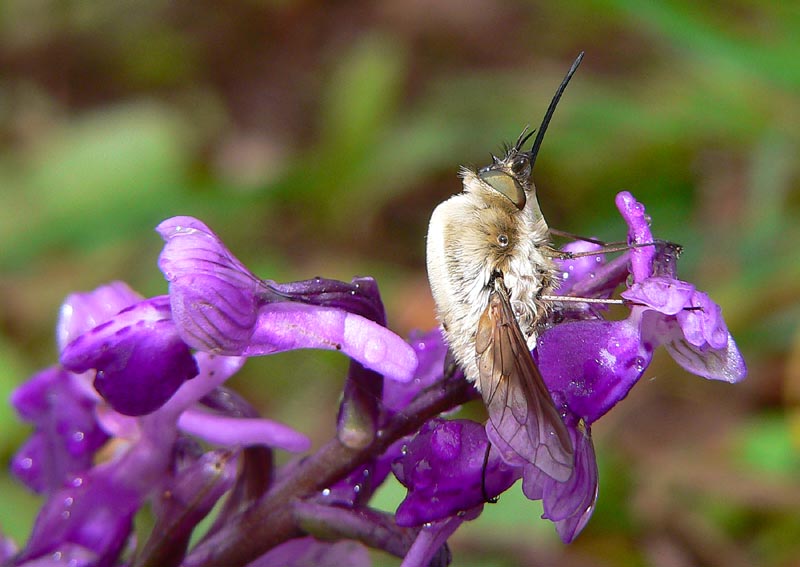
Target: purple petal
[139,357]
[724,363]
[665,295]
[703,324]
[592,365]
[117,425]
[191,247]
[430,540]
[82,312]
[212,315]
[696,337]
[29,465]
[67,434]
[569,504]
[430,350]
[93,513]
[220,307]
[214,297]
[307,551]
[361,296]
[573,271]
[638,233]
[231,431]
[289,326]
[33,398]
[68,555]
[214,370]
[443,469]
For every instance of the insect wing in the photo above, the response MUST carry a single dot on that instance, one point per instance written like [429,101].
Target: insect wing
[527,424]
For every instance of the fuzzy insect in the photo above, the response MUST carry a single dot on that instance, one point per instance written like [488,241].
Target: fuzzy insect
[490,263]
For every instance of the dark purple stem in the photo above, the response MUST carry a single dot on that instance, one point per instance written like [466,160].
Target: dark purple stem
[271,521]
[375,529]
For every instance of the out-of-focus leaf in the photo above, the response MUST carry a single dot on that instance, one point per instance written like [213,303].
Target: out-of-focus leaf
[12,373]
[767,445]
[104,173]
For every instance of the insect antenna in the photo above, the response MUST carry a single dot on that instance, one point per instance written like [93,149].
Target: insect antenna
[537,142]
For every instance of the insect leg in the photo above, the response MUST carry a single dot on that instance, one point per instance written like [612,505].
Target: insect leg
[486,497]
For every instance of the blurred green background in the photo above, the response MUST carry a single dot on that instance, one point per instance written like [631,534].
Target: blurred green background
[316,138]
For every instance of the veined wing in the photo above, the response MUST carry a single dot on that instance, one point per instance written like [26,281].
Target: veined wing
[528,427]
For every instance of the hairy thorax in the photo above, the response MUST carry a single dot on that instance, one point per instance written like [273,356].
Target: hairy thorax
[473,237]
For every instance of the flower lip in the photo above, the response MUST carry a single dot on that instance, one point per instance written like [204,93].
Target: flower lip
[139,357]
[443,469]
[81,312]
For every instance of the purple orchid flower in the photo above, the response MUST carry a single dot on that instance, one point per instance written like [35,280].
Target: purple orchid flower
[141,384]
[219,306]
[128,375]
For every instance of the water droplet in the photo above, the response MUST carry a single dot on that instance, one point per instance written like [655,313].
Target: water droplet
[357,488]
[639,364]
[26,463]
[404,450]
[326,491]
[365,473]
[374,351]
[565,275]
[78,436]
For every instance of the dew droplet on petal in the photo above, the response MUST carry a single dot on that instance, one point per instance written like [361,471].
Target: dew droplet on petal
[374,350]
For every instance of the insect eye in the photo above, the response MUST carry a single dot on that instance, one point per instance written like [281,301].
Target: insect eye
[519,165]
[506,185]
[502,240]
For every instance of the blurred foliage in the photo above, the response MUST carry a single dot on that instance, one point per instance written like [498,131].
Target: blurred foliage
[317,137]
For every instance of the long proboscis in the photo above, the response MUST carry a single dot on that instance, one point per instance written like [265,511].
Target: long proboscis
[552,108]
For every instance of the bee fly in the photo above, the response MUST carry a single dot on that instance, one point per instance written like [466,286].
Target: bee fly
[490,265]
